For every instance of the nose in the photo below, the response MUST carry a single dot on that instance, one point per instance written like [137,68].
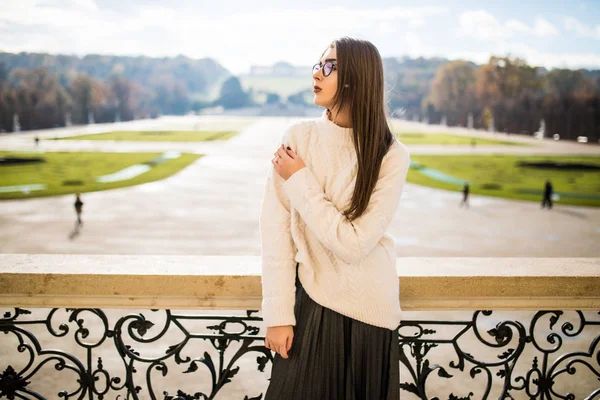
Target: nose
[318,74]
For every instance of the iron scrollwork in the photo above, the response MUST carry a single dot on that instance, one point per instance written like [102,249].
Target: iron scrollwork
[494,370]
[95,381]
[508,344]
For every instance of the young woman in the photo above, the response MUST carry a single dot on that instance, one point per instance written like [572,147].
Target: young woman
[330,286]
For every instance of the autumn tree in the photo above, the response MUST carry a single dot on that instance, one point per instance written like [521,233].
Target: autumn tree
[504,85]
[125,96]
[88,95]
[8,101]
[41,101]
[453,91]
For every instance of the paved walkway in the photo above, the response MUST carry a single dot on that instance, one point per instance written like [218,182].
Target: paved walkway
[212,207]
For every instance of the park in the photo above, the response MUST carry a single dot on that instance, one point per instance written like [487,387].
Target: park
[137,147]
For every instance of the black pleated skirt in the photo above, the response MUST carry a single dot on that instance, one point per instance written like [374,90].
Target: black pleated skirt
[335,357]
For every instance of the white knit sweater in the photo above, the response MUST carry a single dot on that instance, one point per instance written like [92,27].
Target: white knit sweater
[347,267]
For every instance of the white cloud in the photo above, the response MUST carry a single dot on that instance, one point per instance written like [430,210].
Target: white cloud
[237,40]
[574,25]
[483,25]
[544,28]
[412,45]
[84,5]
[516,26]
[506,38]
[535,57]
[387,28]
[52,14]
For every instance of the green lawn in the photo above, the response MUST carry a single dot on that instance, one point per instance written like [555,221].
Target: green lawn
[70,172]
[157,136]
[500,173]
[511,180]
[446,138]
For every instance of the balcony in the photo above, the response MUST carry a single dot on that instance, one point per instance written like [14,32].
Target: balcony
[189,327]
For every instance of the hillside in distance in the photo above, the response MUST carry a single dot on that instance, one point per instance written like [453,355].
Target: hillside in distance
[198,76]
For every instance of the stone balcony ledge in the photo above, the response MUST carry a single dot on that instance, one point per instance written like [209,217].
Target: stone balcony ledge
[234,282]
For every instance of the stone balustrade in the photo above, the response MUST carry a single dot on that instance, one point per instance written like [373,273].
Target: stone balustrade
[485,355]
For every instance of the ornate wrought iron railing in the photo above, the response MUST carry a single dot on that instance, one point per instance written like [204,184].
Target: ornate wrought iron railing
[490,357]
[516,360]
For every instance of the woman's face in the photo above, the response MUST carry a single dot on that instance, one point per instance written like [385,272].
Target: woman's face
[324,87]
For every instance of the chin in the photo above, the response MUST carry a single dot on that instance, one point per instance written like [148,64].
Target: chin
[319,102]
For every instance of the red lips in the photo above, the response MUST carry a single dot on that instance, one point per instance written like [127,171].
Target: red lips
[316,89]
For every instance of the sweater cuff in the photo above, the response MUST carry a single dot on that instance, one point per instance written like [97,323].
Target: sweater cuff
[297,186]
[278,311]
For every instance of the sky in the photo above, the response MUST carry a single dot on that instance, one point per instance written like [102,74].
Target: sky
[241,33]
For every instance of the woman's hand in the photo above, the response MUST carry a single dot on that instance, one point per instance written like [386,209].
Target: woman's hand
[279,339]
[287,162]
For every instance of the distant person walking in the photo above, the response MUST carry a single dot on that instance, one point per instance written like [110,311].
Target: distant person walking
[78,208]
[547,200]
[465,199]
[37,141]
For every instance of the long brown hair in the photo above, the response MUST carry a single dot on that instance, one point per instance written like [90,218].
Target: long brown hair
[360,88]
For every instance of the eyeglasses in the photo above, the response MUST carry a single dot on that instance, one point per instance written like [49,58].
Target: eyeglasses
[327,67]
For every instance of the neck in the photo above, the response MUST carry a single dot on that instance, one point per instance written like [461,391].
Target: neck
[341,118]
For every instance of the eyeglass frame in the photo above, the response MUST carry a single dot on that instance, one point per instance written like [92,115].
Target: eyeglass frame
[322,66]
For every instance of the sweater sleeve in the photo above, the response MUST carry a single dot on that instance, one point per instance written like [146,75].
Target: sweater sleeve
[278,250]
[350,241]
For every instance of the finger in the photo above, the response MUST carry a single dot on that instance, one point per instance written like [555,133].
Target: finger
[281,146]
[282,351]
[283,153]
[291,152]
[288,151]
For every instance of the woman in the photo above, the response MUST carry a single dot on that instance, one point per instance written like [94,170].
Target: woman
[330,286]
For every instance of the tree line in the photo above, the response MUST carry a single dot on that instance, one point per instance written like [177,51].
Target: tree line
[505,94]
[46,90]
[508,95]
[41,98]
